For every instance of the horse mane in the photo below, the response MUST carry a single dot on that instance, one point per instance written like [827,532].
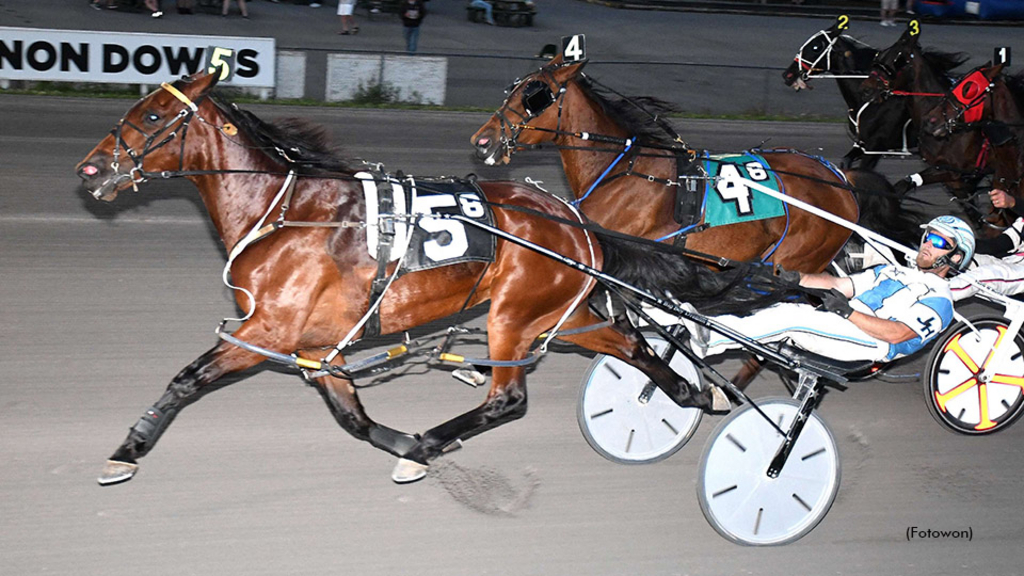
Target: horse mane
[944,62]
[863,53]
[634,114]
[293,142]
[1015,84]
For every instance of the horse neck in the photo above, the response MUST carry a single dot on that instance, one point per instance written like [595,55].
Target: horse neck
[613,205]
[235,201]
[924,79]
[857,62]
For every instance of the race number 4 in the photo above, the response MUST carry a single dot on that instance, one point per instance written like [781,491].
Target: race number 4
[731,187]
[221,59]
[574,48]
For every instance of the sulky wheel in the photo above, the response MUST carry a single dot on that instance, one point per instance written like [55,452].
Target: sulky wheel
[738,497]
[957,397]
[629,420]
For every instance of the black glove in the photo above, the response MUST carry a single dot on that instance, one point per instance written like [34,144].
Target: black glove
[904,186]
[786,278]
[836,302]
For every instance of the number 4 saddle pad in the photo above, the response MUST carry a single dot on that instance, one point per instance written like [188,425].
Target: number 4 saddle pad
[431,242]
[728,199]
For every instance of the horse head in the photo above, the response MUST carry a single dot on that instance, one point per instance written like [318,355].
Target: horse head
[889,64]
[815,55]
[147,140]
[964,106]
[530,114]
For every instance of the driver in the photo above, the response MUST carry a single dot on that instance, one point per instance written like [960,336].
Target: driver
[884,313]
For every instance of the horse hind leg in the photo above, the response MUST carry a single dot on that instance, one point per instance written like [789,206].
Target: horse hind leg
[624,342]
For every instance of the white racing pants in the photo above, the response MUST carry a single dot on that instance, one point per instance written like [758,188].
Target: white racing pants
[813,330]
[995,273]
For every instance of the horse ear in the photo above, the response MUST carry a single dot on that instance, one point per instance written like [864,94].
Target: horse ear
[912,33]
[564,72]
[991,71]
[842,24]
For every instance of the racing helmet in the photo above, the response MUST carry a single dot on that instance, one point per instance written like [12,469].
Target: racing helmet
[960,233]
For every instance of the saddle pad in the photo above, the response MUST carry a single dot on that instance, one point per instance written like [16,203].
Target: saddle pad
[728,200]
[431,243]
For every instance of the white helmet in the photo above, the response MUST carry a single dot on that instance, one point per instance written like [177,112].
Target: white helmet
[960,233]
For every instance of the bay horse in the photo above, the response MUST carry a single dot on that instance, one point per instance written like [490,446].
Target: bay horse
[875,127]
[907,71]
[307,287]
[988,104]
[633,189]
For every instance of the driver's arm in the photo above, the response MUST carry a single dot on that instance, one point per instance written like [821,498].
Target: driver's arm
[828,282]
[890,331]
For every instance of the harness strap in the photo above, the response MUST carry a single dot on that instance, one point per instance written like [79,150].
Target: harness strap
[385,240]
[177,94]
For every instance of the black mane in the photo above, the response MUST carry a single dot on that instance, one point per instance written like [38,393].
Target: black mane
[289,141]
[1015,84]
[944,61]
[634,114]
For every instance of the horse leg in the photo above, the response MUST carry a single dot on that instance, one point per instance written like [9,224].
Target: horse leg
[343,401]
[750,369]
[189,385]
[624,342]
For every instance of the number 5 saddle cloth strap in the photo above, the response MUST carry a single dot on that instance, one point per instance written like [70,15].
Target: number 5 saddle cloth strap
[727,197]
[429,243]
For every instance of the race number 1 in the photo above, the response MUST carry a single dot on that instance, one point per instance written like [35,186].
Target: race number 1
[574,48]
[1002,56]
[222,59]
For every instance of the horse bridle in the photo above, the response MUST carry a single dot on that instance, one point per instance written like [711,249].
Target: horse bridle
[137,174]
[964,105]
[808,66]
[537,97]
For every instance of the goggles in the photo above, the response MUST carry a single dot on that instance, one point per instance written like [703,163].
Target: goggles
[937,241]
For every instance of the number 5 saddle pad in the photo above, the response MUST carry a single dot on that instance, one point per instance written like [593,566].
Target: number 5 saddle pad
[728,199]
[431,242]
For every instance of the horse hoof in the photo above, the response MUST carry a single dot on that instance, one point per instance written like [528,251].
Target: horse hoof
[407,471]
[115,472]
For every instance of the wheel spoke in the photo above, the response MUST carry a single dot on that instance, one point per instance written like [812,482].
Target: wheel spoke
[955,347]
[942,399]
[1007,379]
[985,423]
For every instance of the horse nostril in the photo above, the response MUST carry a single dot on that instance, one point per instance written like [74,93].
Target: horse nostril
[483,142]
[88,171]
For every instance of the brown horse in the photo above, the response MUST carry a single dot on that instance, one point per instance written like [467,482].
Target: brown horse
[636,191]
[986,105]
[310,284]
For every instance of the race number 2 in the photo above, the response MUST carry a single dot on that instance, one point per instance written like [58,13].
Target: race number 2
[731,187]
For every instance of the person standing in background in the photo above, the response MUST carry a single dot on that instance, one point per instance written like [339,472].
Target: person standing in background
[413,12]
[889,12]
[241,6]
[348,22]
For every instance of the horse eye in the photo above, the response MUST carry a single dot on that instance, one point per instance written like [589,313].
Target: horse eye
[152,118]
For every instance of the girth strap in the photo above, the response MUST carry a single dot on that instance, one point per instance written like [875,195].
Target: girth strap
[385,240]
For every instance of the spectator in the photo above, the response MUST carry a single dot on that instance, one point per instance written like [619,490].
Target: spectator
[98,4]
[184,6]
[154,8]
[241,6]
[889,12]
[413,12]
[910,6]
[486,7]
[348,22]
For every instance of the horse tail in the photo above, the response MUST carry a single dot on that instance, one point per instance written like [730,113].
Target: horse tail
[738,290]
[881,208]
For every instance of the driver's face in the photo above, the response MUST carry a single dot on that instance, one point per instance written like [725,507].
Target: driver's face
[927,254]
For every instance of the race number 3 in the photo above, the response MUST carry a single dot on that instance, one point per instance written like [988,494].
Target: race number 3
[730,186]
[222,59]
[574,48]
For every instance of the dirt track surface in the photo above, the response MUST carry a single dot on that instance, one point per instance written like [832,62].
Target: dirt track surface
[102,305]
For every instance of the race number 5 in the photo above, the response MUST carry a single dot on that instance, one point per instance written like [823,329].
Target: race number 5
[222,59]
[574,48]
[433,249]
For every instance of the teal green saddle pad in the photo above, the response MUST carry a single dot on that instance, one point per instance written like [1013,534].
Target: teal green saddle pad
[728,199]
